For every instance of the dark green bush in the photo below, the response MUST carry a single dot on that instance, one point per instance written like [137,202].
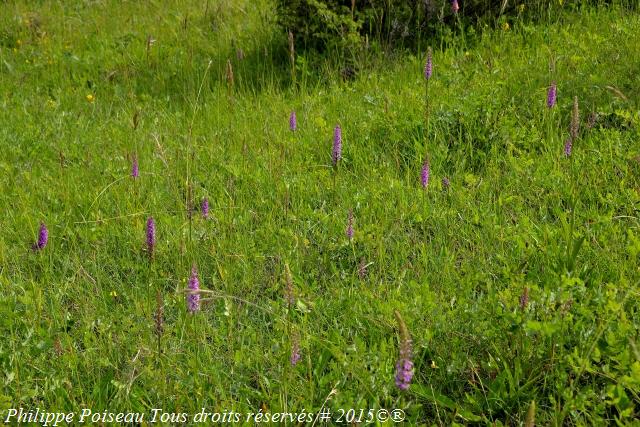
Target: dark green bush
[328,24]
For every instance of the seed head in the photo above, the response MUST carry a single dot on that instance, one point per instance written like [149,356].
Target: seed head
[530,421]
[229,74]
[150,41]
[575,120]
[57,347]
[362,269]
[189,201]
[289,293]
[292,49]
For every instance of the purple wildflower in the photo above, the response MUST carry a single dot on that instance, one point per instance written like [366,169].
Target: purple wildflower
[151,235]
[350,225]
[193,297]
[454,6]
[293,122]
[404,372]
[424,175]
[404,366]
[295,350]
[205,208]
[428,66]
[134,167]
[552,95]
[567,147]
[337,145]
[445,183]
[43,238]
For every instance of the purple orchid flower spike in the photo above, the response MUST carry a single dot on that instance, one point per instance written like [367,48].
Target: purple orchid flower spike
[293,122]
[567,147]
[193,296]
[428,66]
[425,173]
[43,238]
[336,155]
[552,95]
[151,235]
[205,208]
[350,225]
[135,172]
[404,365]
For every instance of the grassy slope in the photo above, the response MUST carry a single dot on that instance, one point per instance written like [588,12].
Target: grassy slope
[78,315]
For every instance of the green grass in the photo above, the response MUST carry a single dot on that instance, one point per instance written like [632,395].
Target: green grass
[77,317]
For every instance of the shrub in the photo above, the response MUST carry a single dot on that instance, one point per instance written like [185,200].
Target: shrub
[329,24]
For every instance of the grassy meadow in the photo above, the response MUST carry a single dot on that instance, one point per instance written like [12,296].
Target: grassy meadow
[515,269]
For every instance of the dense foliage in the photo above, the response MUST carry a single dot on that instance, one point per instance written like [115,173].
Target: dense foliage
[348,24]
